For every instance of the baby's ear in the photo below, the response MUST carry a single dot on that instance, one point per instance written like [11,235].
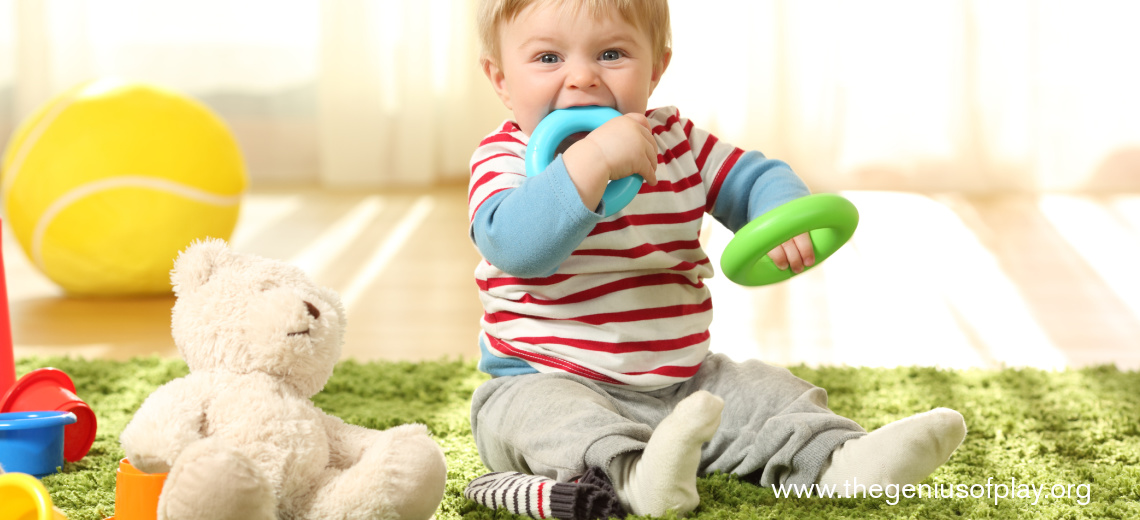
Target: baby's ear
[659,69]
[196,263]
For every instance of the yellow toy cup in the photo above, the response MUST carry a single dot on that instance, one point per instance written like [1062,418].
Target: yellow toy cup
[22,497]
[136,493]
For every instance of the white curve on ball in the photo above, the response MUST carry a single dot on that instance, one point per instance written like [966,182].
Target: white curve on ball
[33,137]
[122,181]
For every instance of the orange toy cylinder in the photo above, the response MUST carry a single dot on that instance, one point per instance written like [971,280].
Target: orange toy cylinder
[136,493]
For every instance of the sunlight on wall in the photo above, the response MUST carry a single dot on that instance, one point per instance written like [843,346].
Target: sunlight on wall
[424,40]
[258,214]
[955,95]
[8,120]
[914,286]
[389,38]
[7,42]
[902,318]
[319,254]
[894,94]
[378,260]
[336,238]
[1089,82]
[709,74]
[1006,104]
[895,76]
[254,44]
[1128,208]
[450,38]
[936,280]
[1109,244]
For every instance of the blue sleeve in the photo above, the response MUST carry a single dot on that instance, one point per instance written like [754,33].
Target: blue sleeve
[530,230]
[754,185]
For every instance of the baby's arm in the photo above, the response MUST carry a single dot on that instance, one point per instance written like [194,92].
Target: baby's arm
[755,185]
[529,230]
[622,147]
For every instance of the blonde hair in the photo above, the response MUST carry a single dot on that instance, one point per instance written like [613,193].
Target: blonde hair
[651,16]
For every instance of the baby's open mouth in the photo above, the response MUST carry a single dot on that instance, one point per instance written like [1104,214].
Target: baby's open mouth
[573,138]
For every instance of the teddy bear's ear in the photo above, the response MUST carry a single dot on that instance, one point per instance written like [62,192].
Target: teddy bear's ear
[196,263]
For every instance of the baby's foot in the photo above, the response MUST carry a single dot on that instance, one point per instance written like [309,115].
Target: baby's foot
[903,452]
[590,497]
[664,476]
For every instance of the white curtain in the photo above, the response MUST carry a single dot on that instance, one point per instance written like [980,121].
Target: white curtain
[340,93]
[962,95]
[982,95]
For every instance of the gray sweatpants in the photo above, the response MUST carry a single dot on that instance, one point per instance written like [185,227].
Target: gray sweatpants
[775,428]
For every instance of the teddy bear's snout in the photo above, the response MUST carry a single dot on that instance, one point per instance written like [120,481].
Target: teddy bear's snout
[313,311]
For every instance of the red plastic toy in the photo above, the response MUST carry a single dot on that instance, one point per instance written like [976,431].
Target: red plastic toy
[43,389]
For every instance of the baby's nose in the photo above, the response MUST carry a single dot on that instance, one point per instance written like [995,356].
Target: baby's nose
[583,76]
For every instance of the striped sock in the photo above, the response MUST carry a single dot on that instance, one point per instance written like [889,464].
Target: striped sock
[587,498]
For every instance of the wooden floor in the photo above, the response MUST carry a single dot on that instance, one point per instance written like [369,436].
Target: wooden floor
[1049,281]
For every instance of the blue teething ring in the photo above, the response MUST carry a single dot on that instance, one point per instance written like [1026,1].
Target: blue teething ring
[560,124]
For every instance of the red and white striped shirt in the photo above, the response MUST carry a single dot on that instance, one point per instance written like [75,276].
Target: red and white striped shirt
[629,306]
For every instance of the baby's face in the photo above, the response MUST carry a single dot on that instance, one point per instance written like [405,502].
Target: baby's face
[554,58]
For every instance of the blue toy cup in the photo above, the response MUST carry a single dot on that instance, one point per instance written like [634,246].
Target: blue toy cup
[32,442]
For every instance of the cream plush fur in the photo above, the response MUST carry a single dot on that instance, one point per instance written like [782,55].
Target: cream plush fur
[240,436]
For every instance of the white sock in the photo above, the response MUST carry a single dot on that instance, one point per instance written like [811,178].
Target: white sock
[903,452]
[663,477]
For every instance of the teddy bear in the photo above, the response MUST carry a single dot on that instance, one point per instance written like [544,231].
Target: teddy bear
[239,435]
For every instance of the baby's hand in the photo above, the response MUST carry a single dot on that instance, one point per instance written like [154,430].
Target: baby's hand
[796,253]
[627,147]
[621,147]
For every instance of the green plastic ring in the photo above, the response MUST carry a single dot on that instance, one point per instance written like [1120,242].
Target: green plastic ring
[829,218]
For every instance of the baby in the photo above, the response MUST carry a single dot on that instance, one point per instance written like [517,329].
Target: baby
[596,329]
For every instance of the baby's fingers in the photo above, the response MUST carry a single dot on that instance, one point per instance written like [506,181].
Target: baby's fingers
[779,257]
[805,248]
[795,253]
[639,118]
[649,170]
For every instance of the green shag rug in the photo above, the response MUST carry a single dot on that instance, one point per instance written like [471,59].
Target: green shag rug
[1062,444]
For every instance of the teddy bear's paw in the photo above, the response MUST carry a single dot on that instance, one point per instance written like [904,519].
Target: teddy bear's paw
[211,480]
[417,488]
[401,475]
[148,464]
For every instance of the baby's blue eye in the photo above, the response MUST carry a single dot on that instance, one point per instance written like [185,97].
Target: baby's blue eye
[548,58]
[611,55]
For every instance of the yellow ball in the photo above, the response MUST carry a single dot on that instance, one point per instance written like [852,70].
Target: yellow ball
[106,183]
